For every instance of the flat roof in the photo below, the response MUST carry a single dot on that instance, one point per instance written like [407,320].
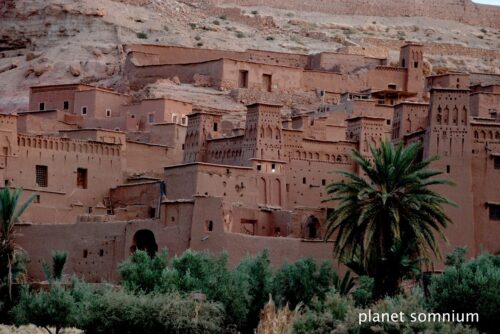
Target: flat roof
[269,104]
[90,129]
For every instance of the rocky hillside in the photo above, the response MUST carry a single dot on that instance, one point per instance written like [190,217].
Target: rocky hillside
[61,41]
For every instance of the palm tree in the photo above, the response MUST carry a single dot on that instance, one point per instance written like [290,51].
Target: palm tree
[385,222]
[9,215]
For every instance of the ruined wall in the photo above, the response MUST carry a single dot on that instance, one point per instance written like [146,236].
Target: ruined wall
[457,10]
[150,159]
[485,105]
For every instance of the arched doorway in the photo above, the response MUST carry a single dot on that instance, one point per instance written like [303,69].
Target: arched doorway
[312,227]
[144,240]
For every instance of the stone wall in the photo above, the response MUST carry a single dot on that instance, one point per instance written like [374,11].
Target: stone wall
[457,10]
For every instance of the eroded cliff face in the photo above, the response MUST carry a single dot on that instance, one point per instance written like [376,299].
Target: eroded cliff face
[456,10]
[64,41]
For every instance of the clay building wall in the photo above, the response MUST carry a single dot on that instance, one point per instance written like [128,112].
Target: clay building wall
[40,122]
[485,170]
[457,10]
[138,200]
[325,81]
[98,103]
[226,151]
[485,105]
[409,118]
[140,76]
[381,77]
[169,134]
[449,136]
[448,80]
[150,159]
[260,76]
[54,97]
[95,249]
[341,62]
[484,78]
[277,58]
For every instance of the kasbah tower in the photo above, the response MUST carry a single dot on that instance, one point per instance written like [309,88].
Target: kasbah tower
[116,169]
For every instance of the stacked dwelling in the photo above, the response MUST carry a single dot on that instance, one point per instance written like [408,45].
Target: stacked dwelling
[113,174]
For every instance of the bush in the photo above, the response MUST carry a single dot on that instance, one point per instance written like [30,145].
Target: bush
[190,272]
[142,35]
[240,34]
[469,287]
[301,281]
[54,308]
[257,271]
[223,17]
[323,317]
[216,22]
[270,38]
[363,295]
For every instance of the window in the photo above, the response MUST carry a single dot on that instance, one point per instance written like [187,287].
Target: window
[81,178]
[216,126]
[496,162]
[392,86]
[273,168]
[101,252]
[108,112]
[209,226]
[174,118]
[323,182]
[84,110]
[267,82]
[415,64]
[243,79]
[304,180]
[388,122]
[151,118]
[259,167]
[448,169]
[184,120]
[41,176]
[85,253]
[66,105]
[42,106]
[494,211]
[36,199]
[403,63]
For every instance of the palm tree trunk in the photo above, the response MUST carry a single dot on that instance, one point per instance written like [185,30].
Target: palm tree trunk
[9,275]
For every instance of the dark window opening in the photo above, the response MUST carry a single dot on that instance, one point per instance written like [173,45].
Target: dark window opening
[216,126]
[6,182]
[42,106]
[415,64]
[497,162]
[81,178]
[243,79]
[392,86]
[36,199]
[273,167]
[101,252]
[312,227]
[494,211]
[144,240]
[85,253]
[152,212]
[403,63]
[84,110]
[259,167]
[42,176]
[304,180]
[388,122]
[66,105]
[323,182]
[448,169]
[209,226]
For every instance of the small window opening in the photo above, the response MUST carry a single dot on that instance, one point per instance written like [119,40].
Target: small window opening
[209,226]
[84,110]
[259,167]
[448,169]
[66,105]
[42,176]
[42,106]
[304,180]
[323,182]
[273,168]
[415,64]
[108,112]
[101,252]
[216,125]
[81,178]
[85,253]
[497,162]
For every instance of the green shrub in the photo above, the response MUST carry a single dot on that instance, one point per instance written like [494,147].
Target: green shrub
[197,37]
[141,273]
[323,317]
[240,34]
[363,295]
[257,271]
[142,35]
[58,262]
[470,287]
[54,308]
[216,22]
[223,17]
[301,281]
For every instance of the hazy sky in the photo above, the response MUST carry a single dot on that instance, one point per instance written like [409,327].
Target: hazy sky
[490,2]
